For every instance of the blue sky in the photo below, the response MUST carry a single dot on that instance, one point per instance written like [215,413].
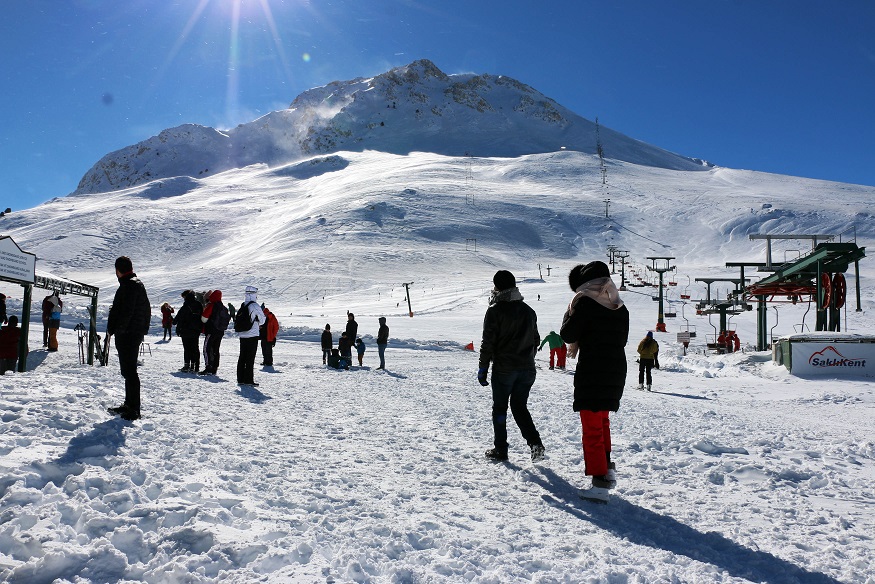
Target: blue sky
[782,86]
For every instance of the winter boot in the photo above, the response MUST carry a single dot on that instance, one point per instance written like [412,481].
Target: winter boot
[496,454]
[611,477]
[596,494]
[641,386]
[648,388]
[537,452]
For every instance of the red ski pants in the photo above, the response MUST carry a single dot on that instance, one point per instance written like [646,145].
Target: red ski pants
[596,442]
[559,354]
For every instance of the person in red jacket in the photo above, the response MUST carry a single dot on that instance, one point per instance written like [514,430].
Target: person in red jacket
[9,339]
[167,321]
[215,318]
[267,334]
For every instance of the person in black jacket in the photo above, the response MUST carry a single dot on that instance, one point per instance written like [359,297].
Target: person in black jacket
[188,328]
[327,343]
[128,322]
[382,341]
[596,325]
[510,340]
[352,328]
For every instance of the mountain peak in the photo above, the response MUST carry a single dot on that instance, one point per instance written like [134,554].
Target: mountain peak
[416,107]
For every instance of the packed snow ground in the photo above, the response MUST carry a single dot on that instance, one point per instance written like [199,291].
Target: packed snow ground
[731,470]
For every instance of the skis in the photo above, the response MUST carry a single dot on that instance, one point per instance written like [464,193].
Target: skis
[101,350]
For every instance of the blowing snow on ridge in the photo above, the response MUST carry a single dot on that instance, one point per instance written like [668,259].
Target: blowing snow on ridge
[416,108]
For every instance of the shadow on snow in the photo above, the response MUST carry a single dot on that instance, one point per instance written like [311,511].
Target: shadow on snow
[644,527]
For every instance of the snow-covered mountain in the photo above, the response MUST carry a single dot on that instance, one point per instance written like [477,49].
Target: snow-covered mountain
[731,470]
[416,108]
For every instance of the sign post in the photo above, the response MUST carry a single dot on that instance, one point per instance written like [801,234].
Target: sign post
[20,267]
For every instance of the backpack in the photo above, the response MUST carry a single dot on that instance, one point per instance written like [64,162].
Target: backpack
[223,317]
[243,320]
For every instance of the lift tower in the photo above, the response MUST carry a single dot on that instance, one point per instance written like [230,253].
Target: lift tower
[661,265]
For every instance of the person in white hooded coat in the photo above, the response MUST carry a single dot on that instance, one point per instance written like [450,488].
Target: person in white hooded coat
[249,338]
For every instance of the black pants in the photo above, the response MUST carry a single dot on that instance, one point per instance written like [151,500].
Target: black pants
[190,351]
[267,351]
[513,387]
[128,347]
[212,342]
[246,361]
[644,366]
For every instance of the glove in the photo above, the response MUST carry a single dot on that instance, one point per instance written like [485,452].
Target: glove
[656,363]
[481,376]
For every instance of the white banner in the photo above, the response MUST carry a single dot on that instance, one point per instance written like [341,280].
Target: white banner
[833,358]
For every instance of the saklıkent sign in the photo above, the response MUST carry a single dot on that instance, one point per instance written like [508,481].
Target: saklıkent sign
[834,358]
[16,265]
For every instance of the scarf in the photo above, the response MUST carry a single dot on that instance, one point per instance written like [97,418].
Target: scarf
[602,290]
[508,295]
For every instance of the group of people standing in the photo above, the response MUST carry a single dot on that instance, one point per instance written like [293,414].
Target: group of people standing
[595,325]
[210,317]
[341,357]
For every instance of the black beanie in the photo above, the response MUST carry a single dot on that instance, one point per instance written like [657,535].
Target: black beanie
[504,280]
[581,274]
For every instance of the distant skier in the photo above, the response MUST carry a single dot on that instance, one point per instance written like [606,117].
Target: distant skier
[596,325]
[510,339]
[167,321]
[382,341]
[648,359]
[558,350]
[128,322]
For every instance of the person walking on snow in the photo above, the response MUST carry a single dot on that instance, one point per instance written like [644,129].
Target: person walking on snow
[648,359]
[249,338]
[596,325]
[382,341]
[128,322]
[167,321]
[510,338]
[327,343]
[557,349]
[267,335]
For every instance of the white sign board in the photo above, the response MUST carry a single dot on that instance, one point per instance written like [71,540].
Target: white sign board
[16,265]
[833,358]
